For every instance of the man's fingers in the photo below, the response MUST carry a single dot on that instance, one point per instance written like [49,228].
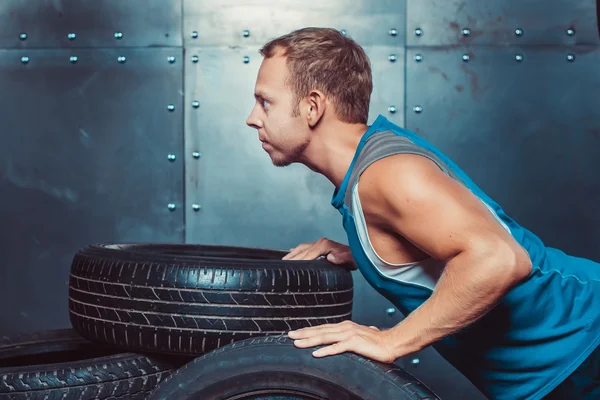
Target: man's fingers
[325,338]
[294,255]
[309,252]
[321,248]
[336,348]
[316,331]
[295,251]
[331,257]
[342,260]
[336,257]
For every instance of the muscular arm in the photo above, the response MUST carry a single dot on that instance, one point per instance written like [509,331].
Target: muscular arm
[410,196]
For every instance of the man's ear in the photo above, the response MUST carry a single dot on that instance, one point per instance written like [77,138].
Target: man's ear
[316,104]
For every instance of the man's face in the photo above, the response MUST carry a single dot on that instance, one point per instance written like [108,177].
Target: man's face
[284,137]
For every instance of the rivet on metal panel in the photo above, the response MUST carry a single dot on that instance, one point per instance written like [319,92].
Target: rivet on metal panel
[571,31]
[418,109]
[393,32]
[25,60]
[196,154]
[415,361]
[171,59]
[195,104]
[171,157]
[419,32]
[23,36]
[246,33]
[519,57]
[71,36]
[392,58]
[171,206]
[122,59]
[466,57]
[571,57]
[118,35]
[391,311]
[519,32]
[73,59]
[171,107]
[196,207]
[195,59]
[194,35]
[392,109]
[246,59]
[466,32]
[418,58]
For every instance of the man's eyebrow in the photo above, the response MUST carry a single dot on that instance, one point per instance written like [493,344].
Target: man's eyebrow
[260,95]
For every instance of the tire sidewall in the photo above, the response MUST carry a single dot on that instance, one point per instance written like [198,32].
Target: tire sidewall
[253,364]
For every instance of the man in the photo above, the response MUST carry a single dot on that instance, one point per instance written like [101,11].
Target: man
[515,317]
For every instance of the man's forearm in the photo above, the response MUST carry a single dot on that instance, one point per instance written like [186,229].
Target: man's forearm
[470,286]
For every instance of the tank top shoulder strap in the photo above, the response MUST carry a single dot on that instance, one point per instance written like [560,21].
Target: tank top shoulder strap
[384,144]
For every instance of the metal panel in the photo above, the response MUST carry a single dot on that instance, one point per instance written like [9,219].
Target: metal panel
[497,22]
[388,82]
[244,199]
[84,159]
[48,23]
[527,132]
[366,21]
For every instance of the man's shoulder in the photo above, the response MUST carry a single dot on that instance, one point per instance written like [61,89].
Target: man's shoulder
[399,169]
[406,176]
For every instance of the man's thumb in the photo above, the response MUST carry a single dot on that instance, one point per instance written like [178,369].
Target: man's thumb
[332,258]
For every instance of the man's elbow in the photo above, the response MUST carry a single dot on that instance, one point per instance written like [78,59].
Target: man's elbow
[513,262]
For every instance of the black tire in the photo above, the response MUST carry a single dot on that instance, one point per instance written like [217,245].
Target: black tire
[273,366]
[188,299]
[60,364]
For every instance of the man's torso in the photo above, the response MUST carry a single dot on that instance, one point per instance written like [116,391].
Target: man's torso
[538,334]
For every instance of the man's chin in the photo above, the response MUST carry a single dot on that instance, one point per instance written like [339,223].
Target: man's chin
[281,162]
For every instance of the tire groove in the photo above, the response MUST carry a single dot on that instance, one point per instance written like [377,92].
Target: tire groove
[179,328]
[234,306]
[200,290]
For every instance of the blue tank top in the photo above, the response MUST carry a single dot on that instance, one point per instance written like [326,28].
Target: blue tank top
[541,330]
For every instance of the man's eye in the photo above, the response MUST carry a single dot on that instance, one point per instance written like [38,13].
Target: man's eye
[265,103]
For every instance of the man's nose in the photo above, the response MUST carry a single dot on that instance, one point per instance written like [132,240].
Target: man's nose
[253,121]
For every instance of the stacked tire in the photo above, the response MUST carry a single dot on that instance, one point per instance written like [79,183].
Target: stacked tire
[177,321]
[60,364]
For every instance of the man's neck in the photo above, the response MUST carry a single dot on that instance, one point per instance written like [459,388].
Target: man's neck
[331,150]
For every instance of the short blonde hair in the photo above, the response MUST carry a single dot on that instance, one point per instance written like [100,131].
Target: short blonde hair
[326,60]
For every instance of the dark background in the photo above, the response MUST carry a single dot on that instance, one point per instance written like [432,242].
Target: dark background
[90,152]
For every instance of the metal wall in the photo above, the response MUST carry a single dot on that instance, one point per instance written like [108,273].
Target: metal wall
[511,93]
[85,138]
[125,121]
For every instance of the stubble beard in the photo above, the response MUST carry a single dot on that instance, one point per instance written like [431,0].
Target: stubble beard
[291,156]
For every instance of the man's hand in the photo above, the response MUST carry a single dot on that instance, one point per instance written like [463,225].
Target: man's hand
[336,253]
[346,336]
